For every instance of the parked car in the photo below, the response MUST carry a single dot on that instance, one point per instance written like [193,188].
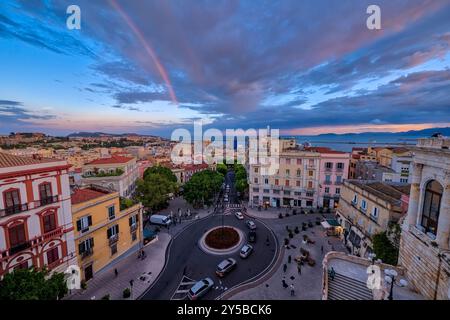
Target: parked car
[225,267]
[160,220]
[245,251]
[251,225]
[252,236]
[200,288]
[239,215]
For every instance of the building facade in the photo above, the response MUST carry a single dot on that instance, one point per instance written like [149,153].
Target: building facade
[35,215]
[103,232]
[117,173]
[424,249]
[367,208]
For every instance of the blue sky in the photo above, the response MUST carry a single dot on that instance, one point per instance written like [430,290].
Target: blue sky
[304,67]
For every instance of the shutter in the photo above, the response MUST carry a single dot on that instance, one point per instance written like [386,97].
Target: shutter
[91,242]
[108,233]
[89,220]
[78,225]
[137,218]
[81,248]
[130,221]
[117,228]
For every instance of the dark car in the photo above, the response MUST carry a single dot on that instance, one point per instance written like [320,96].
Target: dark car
[225,267]
[252,236]
[200,288]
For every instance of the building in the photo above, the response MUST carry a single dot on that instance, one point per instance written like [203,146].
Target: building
[35,215]
[424,248]
[117,173]
[359,155]
[333,170]
[295,184]
[103,232]
[368,208]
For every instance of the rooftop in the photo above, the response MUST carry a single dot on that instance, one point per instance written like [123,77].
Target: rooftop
[389,191]
[112,160]
[324,150]
[87,194]
[8,160]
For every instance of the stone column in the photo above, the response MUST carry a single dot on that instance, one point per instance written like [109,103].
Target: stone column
[414,195]
[443,230]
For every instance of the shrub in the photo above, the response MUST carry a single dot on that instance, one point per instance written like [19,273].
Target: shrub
[296,230]
[126,293]
[83,284]
[280,216]
[106,297]
[384,249]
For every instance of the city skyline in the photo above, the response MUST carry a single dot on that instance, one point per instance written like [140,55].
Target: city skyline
[155,66]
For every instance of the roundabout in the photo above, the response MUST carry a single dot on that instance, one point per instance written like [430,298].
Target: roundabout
[222,240]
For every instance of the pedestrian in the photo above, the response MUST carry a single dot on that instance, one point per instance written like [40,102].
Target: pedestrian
[284,268]
[116,273]
[283,282]
[292,289]
[299,269]
[332,273]
[289,259]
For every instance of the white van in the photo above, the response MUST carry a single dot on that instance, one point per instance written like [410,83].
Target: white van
[160,220]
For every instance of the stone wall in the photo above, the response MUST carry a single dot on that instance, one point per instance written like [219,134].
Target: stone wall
[428,268]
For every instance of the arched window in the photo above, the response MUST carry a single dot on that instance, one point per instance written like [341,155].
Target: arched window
[431,206]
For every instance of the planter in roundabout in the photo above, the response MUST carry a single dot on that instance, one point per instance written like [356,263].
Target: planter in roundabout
[222,240]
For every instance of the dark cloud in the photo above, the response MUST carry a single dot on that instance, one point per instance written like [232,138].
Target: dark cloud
[13,112]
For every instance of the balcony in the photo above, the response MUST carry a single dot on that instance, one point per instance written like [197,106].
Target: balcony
[362,209]
[327,182]
[113,239]
[46,201]
[133,227]
[338,183]
[52,234]
[13,210]
[328,169]
[19,247]
[87,253]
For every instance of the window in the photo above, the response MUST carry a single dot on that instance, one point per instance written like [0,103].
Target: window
[297,193]
[340,165]
[299,161]
[328,165]
[113,231]
[84,223]
[17,235]
[85,247]
[355,199]
[404,180]
[299,173]
[114,249]
[310,184]
[111,212]
[266,181]
[255,189]
[52,255]
[133,220]
[12,201]
[363,205]
[256,170]
[327,178]
[338,179]
[297,183]
[287,193]
[45,193]
[49,222]
[288,172]
[21,266]
[375,212]
[327,189]
[287,183]
[338,191]
[310,173]
[133,236]
[288,161]
[311,162]
[431,206]
[276,182]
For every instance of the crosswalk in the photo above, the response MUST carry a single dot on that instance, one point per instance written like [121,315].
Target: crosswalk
[183,288]
[231,208]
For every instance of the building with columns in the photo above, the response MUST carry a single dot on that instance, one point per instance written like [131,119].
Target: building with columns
[424,246]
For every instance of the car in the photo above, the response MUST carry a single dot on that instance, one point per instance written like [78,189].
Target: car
[160,220]
[251,225]
[245,251]
[225,267]
[252,236]
[200,288]
[239,215]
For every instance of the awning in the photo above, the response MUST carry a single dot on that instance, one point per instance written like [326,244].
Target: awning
[333,222]
[148,234]
[325,224]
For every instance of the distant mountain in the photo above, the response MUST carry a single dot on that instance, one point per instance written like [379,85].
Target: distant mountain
[412,133]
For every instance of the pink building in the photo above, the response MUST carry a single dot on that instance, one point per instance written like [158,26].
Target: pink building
[333,169]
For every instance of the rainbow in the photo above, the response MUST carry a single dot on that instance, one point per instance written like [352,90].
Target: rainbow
[162,71]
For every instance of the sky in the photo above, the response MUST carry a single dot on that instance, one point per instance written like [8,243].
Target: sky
[149,67]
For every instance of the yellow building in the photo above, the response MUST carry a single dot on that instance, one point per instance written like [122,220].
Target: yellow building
[103,232]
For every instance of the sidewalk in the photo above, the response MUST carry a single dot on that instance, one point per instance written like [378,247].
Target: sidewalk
[273,213]
[142,272]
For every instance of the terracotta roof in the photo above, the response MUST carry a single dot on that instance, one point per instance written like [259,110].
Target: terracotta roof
[86,194]
[9,160]
[323,150]
[113,159]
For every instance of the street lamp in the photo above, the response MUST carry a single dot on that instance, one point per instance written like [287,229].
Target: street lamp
[390,277]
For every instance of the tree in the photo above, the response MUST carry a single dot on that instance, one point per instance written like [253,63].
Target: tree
[384,249]
[201,187]
[162,171]
[32,284]
[222,168]
[241,178]
[153,191]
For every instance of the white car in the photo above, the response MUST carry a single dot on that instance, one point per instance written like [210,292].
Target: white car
[251,225]
[200,288]
[239,215]
[245,251]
